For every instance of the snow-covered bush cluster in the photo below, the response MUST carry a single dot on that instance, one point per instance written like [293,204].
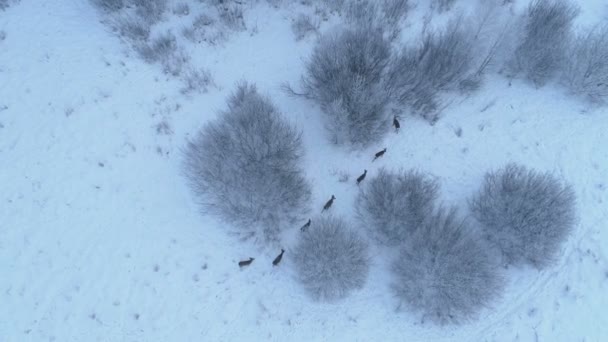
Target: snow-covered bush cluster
[547,33]
[549,49]
[354,76]
[586,70]
[444,61]
[304,25]
[137,23]
[331,259]
[422,78]
[345,76]
[445,271]
[393,205]
[197,80]
[150,11]
[159,49]
[245,167]
[442,5]
[110,5]
[527,215]
[385,16]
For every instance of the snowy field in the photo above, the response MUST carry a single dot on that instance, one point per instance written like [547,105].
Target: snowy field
[102,240]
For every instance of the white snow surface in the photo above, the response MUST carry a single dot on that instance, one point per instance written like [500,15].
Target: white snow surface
[101,239]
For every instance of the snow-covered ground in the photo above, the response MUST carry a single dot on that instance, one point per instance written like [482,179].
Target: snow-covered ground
[101,240]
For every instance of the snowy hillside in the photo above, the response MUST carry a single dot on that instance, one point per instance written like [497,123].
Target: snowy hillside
[101,239]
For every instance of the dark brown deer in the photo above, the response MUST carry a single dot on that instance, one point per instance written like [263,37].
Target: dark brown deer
[379,154]
[277,260]
[306,225]
[396,124]
[246,262]
[329,203]
[362,177]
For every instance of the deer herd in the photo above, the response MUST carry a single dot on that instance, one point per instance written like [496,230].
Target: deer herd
[328,204]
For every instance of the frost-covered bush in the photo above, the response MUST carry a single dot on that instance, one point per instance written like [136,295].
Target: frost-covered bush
[444,61]
[175,63]
[345,76]
[232,16]
[161,48]
[303,25]
[197,80]
[105,5]
[378,15]
[547,31]
[527,215]
[392,206]
[332,5]
[586,68]
[133,29]
[245,167]
[444,271]
[395,10]
[331,260]
[181,9]
[442,5]
[150,10]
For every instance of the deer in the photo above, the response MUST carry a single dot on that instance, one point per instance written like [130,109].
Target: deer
[329,203]
[246,262]
[362,177]
[379,154]
[396,124]
[306,225]
[277,260]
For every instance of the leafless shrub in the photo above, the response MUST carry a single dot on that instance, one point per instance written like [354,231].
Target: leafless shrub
[181,9]
[331,259]
[231,15]
[452,60]
[203,20]
[150,10]
[525,214]
[442,5]
[104,5]
[547,32]
[245,167]
[175,63]
[439,64]
[161,48]
[345,76]
[444,271]
[304,26]
[393,205]
[586,68]
[197,80]
[383,15]
[133,28]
